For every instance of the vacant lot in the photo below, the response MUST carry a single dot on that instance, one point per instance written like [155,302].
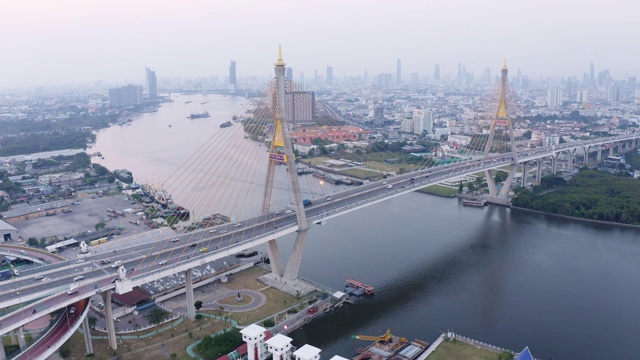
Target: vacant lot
[461,351]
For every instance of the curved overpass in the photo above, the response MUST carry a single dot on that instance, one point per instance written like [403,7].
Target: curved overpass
[182,255]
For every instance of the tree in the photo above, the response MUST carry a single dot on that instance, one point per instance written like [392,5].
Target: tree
[32,241]
[198,305]
[101,225]
[527,134]
[460,188]
[471,187]
[92,322]
[156,316]
[500,176]
[64,351]
[505,355]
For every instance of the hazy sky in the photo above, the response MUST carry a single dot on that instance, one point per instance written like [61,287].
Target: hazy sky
[50,42]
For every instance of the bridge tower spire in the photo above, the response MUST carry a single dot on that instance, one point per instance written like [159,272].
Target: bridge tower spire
[281,139]
[502,119]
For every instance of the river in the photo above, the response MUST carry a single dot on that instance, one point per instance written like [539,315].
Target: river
[566,289]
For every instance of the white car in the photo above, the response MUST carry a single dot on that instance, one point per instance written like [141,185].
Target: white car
[212,231]
[175,239]
[72,310]
[237,225]
[389,186]
[288,211]
[163,262]
[79,277]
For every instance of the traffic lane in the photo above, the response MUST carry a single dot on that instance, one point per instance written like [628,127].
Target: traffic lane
[63,327]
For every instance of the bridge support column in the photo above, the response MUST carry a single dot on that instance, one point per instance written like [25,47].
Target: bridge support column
[21,340]
[111,329]
[293,264]
[586,154]
[599,156]
[554,157]
[3,356]
[506,187]
[491,184]
[277,266]
[524,174]
[570,162]
[191,309]
[538,170]
[87,335]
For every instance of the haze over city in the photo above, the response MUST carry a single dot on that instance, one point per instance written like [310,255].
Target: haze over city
[65,42]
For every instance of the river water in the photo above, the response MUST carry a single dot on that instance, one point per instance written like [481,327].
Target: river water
[567,289]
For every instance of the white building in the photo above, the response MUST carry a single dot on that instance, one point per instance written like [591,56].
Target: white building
[422,121]
[554,98]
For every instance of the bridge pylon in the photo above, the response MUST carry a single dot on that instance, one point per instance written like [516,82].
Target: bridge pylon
[501,119]
[282,143]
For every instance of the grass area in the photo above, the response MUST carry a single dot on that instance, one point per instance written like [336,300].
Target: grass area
[276,301]
[158,346]
[461,351]
[246,279]
[361,173]
[439,190]
[231,300]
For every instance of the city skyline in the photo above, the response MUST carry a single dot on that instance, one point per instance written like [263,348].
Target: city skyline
[74,42]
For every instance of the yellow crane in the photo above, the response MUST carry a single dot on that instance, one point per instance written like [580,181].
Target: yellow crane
[384,338]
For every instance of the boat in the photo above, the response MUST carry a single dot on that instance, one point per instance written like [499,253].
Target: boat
[187,102]
[202,103]
[204,114]
[357,285]
[226,124]
[389,346]
[474,203]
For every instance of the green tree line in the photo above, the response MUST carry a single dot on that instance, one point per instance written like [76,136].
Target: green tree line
[591,194]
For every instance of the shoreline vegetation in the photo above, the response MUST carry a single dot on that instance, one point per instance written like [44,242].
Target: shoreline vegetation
[592,195]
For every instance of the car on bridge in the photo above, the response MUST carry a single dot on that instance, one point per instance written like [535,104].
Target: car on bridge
[204,250]
[162,262]
[79,277]
[237,225]
[389,186]
[72,310]
[175,239]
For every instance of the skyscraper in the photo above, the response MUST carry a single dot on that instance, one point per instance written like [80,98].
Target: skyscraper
[126,95]
[232,74]
[592,79]
[152,82]
[436,73]
[554,98]
[289,73]
[330,75]
[398,71]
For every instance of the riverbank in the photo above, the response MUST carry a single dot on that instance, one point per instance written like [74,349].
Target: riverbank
[575,218]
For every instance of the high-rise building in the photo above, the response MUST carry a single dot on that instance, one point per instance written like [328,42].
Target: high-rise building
[415,79]
[300,106]
[365,76]
[583,96]
[232,74]
[152,82]
[398,71]
[422,121]
[436,73]
[301,77]
[592,79]
[378,115]
[126,95]
[554,98]
[613,94]
[330,75]
[289,73]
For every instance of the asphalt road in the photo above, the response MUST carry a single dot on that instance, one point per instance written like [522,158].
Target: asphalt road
[190,247]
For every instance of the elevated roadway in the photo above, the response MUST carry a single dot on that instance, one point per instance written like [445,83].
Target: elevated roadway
[149,262]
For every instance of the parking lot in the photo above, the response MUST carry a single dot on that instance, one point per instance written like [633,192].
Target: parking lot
[84,217]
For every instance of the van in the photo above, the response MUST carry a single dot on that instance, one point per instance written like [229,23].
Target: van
[307,202]
[116,264]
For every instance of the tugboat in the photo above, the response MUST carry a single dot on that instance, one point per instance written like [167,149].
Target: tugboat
[226,124]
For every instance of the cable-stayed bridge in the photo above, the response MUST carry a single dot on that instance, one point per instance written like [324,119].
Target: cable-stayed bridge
[235,174]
